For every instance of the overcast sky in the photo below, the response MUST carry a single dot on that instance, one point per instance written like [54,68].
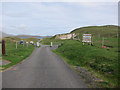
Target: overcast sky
[50,18]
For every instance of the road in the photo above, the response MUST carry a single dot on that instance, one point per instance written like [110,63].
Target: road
[43,69]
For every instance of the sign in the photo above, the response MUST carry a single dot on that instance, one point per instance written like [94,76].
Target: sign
[86,38]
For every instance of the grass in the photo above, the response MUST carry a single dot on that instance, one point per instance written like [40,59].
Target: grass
[101,62]
[15,55]
[98,31]
[47,41]
[30,39]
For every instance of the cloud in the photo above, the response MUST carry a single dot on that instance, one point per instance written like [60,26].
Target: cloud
[2,27]
[59,0]
[13,26]
[51,18]
[22,27]
[17,14]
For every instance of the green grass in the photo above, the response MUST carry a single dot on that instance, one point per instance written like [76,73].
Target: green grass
[101,62]
[30,39]
[15,55]
[47,41]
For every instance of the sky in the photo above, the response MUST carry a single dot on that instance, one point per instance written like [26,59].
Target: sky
[51,18]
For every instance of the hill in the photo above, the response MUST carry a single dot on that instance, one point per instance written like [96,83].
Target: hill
[99,31]
[100,62]
[2,34]
[31,36]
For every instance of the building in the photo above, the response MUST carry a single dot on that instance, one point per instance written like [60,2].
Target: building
[66,36]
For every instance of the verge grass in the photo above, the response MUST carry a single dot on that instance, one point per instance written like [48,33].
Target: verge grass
[99,61]
[15,55]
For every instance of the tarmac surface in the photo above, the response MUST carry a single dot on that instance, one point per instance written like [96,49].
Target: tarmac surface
[43,69]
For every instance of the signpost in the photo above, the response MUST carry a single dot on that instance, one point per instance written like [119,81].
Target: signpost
[86,38]
[3,47]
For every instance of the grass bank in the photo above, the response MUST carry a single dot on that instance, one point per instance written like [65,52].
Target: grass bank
[101,62]
[47,41]
[15,55]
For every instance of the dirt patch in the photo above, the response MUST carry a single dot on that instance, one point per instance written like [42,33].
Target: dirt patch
[88,77]
[4,62]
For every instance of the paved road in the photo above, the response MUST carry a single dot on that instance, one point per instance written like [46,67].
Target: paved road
[43,69]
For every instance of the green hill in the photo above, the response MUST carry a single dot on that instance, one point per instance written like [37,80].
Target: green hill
[99,31]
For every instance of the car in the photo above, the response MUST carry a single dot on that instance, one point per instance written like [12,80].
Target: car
[31,42]
[21,42]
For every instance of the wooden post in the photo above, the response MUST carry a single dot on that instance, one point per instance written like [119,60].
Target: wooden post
[3,47]
[117,35]
[23,44]
[27,44]
[16,44]
[51,44]
[102,42]
[91,40]
[83,43]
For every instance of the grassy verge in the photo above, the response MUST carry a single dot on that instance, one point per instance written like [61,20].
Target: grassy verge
[101,62]
[47,41]
[15,55]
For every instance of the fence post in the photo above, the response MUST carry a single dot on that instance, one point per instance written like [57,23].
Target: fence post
[16,44]
[51,44]
[3,47]
[103,43]
[23,44]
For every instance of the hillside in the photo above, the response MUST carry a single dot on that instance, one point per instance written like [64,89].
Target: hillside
[2,34]
[100,62]
[99,31]
[31,36]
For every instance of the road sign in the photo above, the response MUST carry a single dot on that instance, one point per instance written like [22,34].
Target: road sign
[86,38]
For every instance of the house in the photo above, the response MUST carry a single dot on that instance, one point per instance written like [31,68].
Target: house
[66,36]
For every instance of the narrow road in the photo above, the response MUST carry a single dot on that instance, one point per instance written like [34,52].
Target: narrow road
[43,69]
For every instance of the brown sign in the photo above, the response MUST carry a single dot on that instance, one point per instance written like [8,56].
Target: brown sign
[3,47]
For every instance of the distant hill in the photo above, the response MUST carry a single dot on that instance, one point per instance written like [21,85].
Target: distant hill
[2,34]
[99,31]
[31,36]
